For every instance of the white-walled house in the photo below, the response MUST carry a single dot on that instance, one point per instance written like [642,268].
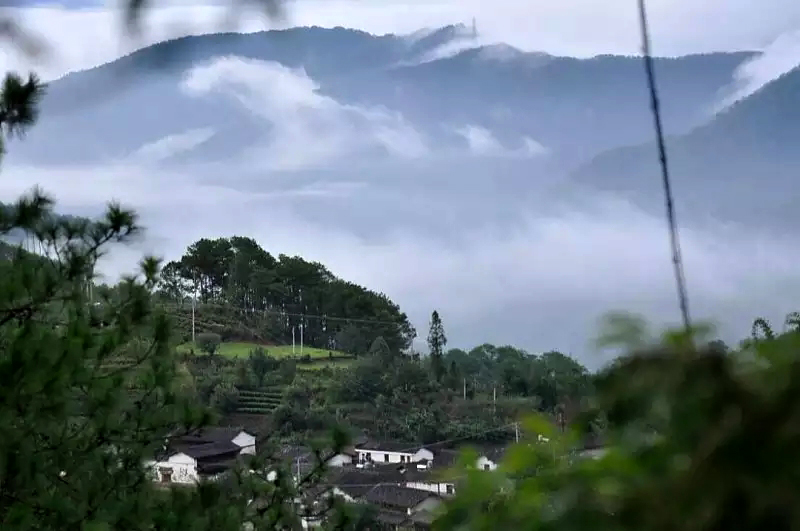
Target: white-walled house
[434,486]
[177,468]
[245,441]
[391,452]
[218,434]
[206,453]
[396,505]
[486,463]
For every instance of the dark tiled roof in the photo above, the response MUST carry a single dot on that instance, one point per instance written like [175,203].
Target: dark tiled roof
[208,450]
[212,434]
[495,452]
[368,476]
[355,491]
[396,497]
[389,446]
[424,518]
[391,517]
[215,467]
[445,458]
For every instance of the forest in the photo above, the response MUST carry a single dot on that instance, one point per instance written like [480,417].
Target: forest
[272,296]
[359,369]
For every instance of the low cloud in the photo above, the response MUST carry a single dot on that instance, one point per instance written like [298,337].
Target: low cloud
[481,142]
[172,145]
[308,129]
[541,281]
[780,57]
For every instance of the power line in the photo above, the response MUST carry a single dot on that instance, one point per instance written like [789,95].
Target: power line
[677,260]
[281,313]
[452,440]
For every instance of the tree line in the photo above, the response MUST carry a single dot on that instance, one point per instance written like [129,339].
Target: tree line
[284,295]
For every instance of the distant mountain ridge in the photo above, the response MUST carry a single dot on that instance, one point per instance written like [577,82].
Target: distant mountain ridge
[743,164]
[573,108]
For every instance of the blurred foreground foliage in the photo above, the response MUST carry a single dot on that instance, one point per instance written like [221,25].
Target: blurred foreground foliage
[90,392]
[698,439]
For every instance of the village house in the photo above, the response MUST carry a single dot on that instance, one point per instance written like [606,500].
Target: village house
[391,452]
[203,454]
[490,456]
[397,507]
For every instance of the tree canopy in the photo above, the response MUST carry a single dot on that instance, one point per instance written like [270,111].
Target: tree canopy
[279,296]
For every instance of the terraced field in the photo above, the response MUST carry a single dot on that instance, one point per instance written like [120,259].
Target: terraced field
[261,401]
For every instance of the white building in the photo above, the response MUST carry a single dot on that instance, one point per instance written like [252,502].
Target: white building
[389,452]
[203,454]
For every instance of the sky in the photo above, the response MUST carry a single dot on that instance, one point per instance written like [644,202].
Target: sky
[82,35]
[537,271]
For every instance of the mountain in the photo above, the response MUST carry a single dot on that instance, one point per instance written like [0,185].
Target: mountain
[741,166]
[453,93]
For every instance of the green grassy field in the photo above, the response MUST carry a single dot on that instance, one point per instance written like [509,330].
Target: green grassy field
[242,350]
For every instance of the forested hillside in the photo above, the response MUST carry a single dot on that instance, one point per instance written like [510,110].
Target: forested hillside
[258,297]
[741,166]
[356,367]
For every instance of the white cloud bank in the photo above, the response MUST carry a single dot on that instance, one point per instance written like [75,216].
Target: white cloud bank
[482,142]
[541,284]
[308,129]
[781,56]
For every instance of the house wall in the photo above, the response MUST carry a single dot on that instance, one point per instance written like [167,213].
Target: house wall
[246,442]
[380,456]
[435,488]
[483,461]
[340,460]
[594,453]
[423,453]
[428,505]
[184,469]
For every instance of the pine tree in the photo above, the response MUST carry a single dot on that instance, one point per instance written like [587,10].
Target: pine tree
[90,391]
[436,343]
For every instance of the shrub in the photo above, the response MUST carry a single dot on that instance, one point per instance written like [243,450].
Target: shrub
[209,342]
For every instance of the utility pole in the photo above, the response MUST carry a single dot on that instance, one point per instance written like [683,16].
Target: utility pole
[194,303]
[494,400]
[516,431]
[292,340]
[301,338]
[465,388]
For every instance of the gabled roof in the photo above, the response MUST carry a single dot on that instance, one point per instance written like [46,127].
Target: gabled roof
[208,450]
[212,434]
[392,518]
[445,458]
[390,446]
[371,476]
[397,497]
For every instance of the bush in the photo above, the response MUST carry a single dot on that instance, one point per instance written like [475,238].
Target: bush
[209,342]
[225,398]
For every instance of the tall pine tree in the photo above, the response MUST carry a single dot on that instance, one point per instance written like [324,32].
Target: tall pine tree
[436,343]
